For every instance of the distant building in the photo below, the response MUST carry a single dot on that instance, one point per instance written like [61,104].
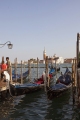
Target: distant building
[44,54]
[68,60]
[41,61]
[50,59]
[59,60]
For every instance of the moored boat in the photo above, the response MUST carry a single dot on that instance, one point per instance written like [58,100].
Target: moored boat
[17,77]
[54,69]
[41,79]
[63,84]
[20,89]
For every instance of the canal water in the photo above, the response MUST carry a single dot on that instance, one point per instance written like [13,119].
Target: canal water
[36,106]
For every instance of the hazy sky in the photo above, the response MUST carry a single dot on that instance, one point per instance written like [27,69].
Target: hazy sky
[32,25]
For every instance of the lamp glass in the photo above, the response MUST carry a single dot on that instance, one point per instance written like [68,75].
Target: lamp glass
[10,46]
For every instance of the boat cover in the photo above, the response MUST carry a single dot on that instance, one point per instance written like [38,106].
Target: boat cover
[58,86]
[14,76]
[51,71]
[66,79]
[26,85]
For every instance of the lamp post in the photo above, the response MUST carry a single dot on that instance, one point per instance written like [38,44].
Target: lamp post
[9,45]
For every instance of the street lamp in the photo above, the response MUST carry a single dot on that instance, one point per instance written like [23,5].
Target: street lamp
[9,45]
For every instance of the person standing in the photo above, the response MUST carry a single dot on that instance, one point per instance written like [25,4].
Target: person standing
[3,68]
[8,64]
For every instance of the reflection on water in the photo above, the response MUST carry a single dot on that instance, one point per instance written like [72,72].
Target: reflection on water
[37,106]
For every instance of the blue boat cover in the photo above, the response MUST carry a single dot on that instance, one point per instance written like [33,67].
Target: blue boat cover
[51,71]
[13,71]
[27,85]
[65,79]
[67,71]
[14,76]
[58,86]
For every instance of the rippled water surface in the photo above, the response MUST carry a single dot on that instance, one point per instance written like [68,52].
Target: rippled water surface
[36,106]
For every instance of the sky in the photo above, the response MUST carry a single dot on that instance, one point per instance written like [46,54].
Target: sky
[31,25]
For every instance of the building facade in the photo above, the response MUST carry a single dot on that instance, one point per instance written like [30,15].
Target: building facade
[68,60]
[50,59]
[44,54]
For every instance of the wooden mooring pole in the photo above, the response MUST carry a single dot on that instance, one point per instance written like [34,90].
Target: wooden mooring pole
[37,66]
[45,77]
[78,68]
[15,65]
[11,73]
[21,73]
[46,82]
[78,84]
[29,68]
[47,72]
[73,80]
[56,69]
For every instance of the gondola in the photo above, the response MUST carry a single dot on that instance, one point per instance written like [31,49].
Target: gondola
[17,77]
[63,84]
[53,69]
[21,89]
[52,73]
[58,69]
[16,88]
[41,79]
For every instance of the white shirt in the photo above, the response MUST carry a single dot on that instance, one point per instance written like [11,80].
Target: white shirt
[7,75]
